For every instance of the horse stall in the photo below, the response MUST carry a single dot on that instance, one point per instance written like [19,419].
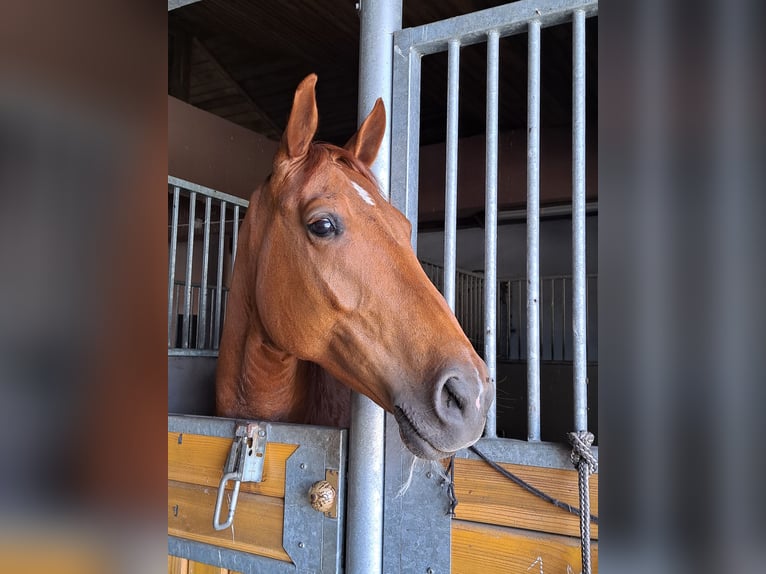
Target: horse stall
[261,496]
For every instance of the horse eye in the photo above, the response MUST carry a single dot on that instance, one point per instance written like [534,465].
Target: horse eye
[322,227]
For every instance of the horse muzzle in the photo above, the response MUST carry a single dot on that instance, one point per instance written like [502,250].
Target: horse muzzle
[450,418]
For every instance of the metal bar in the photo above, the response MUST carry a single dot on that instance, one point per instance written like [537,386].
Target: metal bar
[564,319]
[172,266]
[473,28]
[550,211]
[553,319]
[219,277]
[405,151]
[235,237]
[192,352]
[510,324]
[579,286]
[206,191]
[518,321]
[514,451]
[533,234]
[490,225]
[450,199]
[189,264]
[364,532]
[178,290]
[469,304]
[202,309]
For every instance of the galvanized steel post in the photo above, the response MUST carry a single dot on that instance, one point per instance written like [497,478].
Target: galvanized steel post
[364,528]
[189,263]
[219,277]
[490,223]
[202,307]
[579,285]
[450,199]
[172,263]
[533,234]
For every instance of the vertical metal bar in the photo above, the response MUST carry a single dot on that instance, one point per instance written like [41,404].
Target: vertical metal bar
[564,319]
[364,532]
[478,312]
[510,319]
[490,224]
[553,319]
[463,300]
[450,199]
[533,234]
[202,309]
[518,320]
[471,294]
[405,149]
[189,264]
[235,237]
[579,287]
[219,276]
[172,265]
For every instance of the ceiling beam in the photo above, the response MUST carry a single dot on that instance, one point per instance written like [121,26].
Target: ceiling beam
[274,130]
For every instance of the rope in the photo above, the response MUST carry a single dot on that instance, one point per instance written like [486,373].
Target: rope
[585,462]
[451,486]
[531,489]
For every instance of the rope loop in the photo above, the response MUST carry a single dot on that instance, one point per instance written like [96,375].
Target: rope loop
[581,442]
[586,464]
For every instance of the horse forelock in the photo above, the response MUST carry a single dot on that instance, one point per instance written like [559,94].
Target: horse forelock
[321,155]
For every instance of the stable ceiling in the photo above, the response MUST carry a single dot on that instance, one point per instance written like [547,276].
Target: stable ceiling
[242,59]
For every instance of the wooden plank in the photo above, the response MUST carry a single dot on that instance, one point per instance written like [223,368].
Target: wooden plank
[177,565]
[485,496]
[199,459]
[202,568]
[495,550]
[257,527]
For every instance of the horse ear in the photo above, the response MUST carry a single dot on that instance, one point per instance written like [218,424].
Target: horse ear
[302,124]
[364,144]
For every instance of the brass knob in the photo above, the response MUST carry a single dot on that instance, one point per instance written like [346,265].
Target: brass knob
[322,496]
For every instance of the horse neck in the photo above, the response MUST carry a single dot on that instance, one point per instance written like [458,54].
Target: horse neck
[266,383]
[254,378]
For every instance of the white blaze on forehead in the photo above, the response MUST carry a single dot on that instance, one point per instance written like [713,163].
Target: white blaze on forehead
[363,193]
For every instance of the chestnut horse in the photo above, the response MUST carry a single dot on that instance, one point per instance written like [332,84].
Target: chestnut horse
[327,296]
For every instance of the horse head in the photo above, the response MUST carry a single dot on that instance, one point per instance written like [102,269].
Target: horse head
[327,268]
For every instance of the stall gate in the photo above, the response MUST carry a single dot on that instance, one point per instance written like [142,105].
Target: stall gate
[499,527]
[496,526]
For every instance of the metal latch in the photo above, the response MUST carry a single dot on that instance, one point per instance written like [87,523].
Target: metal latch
[244,464]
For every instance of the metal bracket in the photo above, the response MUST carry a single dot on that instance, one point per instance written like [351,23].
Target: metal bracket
[244,464]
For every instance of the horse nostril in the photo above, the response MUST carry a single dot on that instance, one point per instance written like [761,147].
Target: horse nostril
[451,396]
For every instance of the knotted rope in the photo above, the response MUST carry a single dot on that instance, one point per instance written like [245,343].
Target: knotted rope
[586,464]
[451,486]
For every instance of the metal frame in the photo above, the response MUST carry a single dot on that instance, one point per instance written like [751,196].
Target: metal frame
[378,20]
[450,35]
[320,448]
[208,335]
